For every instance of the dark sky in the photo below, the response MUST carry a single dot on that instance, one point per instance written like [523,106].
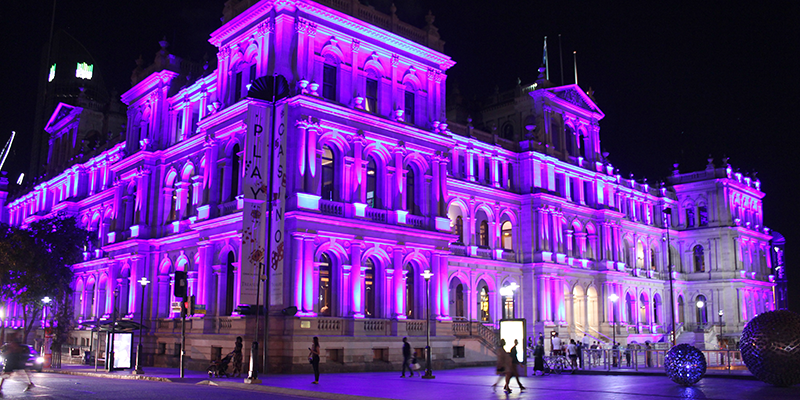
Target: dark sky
[677,80]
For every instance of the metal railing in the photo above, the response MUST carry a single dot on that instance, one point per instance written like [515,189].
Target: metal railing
[648,359]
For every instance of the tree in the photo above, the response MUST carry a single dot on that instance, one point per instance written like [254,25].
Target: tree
[36,262]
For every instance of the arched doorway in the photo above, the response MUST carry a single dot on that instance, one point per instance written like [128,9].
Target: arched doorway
[411,311]
[370,310]
[325,300]
[644,307]
[680,309]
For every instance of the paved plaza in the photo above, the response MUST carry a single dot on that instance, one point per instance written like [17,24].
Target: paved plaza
[475,383]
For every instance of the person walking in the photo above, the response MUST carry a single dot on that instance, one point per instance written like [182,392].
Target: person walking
[313,357]
[237,357]
[515,365]
[15,355]
[406,359]
[555,345]
[572,352]
[503,365]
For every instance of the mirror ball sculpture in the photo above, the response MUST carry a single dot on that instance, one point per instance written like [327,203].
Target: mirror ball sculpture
[685,365]
[770,347]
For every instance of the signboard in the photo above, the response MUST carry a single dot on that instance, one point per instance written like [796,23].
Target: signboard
[200,309]
[176,306]
[254,185]
[123,349]
[277,235]
[514,329]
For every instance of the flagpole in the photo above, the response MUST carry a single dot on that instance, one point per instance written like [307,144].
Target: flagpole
[575,65]
[546,61]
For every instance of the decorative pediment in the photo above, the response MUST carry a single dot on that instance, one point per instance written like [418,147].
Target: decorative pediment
[573,95]
[62,116]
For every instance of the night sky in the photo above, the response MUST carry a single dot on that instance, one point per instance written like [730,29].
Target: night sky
[677,80]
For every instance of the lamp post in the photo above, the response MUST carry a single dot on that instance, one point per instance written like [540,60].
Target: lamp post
[667,214]
[140,347]
[428,373]
[613,297]
[700,304]
[46,300]
[113,326]
[720,322]
[48,357]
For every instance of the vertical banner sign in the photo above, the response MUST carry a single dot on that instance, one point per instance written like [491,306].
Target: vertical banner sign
[254,186]
[277,234]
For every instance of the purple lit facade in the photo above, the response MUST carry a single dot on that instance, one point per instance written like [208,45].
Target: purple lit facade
[379,188]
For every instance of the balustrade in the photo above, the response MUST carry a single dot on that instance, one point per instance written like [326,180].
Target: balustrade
[331,208]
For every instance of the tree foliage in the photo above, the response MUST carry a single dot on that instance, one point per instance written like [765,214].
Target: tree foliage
[36,262]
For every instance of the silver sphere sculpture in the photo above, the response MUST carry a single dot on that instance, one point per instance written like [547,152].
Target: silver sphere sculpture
[685,364]
[770,347]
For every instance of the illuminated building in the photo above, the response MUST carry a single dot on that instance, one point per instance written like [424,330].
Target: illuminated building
[375,187]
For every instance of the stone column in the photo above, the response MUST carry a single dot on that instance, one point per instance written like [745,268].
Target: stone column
[309,285]
[357,280]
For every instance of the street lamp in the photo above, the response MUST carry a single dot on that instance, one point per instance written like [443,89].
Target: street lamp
[613,297]
[140,347]
[428,373]
[667,223]
[720,322]
[700,304]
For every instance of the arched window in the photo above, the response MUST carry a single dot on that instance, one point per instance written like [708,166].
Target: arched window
[411,313]
[483,303]
[325,301]
[508,295]
[644,306]
[372,184]
[639,254]
[329,79]
[653,260]
[690,217]
[460,229]
[699,259]
[410,104]
[628,254]
[369,289]
[701,307]
[630,309]
[411,193]
[508,237]
[371,103]
[484,234]
[173,202]
[230,276]
[328,169]
[680,309]
[234,172]
[508,131]
[570,139]
[703,213]
[459,301]
[656,309]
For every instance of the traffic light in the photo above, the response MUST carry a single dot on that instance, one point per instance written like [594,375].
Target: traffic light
[181,284]
[187,306]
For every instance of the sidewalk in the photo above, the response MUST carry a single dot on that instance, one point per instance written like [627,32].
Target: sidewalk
[468,383]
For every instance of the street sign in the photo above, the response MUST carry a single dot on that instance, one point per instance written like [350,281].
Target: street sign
[176,306]
[200,309]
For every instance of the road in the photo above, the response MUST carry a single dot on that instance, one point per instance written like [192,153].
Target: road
[56,386]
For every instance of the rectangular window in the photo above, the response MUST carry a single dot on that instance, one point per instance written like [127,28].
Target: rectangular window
[560,185]
[462,165]
[329,82]
[500,179]
[372,95]
[703,215]
[475,168]
[410,107]
[178,127]
[588,196]
[237,87]
[573,190]
[487,171]
[458,352]
[510,177]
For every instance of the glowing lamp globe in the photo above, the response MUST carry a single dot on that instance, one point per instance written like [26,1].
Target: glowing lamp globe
[685,364]
[770,347]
